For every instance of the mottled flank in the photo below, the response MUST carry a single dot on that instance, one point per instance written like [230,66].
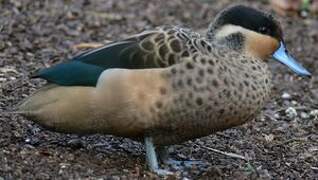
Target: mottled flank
[212,101]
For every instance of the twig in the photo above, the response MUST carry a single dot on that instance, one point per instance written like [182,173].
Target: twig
[270,117]
[233,155]
[314,168]
[87,45]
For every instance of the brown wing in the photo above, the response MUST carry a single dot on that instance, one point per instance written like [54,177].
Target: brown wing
[151,49]
[161,48]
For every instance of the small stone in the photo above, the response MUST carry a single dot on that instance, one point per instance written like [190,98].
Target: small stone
[304,115]
[3,79]
[291,112]
[75,143]
[29,54]
[269,138]
[314,112]
[294,103]
[276,116]
[63,165]
[60,172]
[286,96]
[304,14]
[116,177]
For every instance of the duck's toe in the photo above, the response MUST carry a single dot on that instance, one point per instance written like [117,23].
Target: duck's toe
[186,164]
[162,172]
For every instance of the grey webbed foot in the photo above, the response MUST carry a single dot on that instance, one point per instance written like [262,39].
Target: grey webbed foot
[163,154]
[184,164]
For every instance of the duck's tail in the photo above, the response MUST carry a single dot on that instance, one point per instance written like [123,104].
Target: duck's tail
[29,107]
[60,108]
[12,112]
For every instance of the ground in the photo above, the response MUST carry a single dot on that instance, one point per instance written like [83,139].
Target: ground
[282,143]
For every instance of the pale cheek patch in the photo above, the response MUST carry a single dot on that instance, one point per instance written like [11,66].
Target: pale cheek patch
[228,30]
[256,44]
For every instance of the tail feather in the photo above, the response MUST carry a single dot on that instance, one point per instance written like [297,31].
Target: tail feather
[60,108]
[23,113]
[30,106]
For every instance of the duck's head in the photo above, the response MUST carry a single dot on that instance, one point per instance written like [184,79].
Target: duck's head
[253,33]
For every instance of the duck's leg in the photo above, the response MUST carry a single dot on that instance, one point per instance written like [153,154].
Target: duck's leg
[151,157]
[151,154]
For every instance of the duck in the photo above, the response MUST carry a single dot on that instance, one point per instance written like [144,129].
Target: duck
[167,85]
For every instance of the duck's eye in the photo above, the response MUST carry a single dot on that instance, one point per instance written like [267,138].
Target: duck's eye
[264,30]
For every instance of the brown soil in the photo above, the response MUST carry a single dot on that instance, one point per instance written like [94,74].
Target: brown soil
[35,34]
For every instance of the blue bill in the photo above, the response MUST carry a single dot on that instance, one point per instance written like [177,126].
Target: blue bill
[282,55]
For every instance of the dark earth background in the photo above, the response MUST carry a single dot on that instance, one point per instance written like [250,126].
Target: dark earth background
[282,143]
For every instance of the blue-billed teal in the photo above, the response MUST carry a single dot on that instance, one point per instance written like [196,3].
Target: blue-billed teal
[167,85]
